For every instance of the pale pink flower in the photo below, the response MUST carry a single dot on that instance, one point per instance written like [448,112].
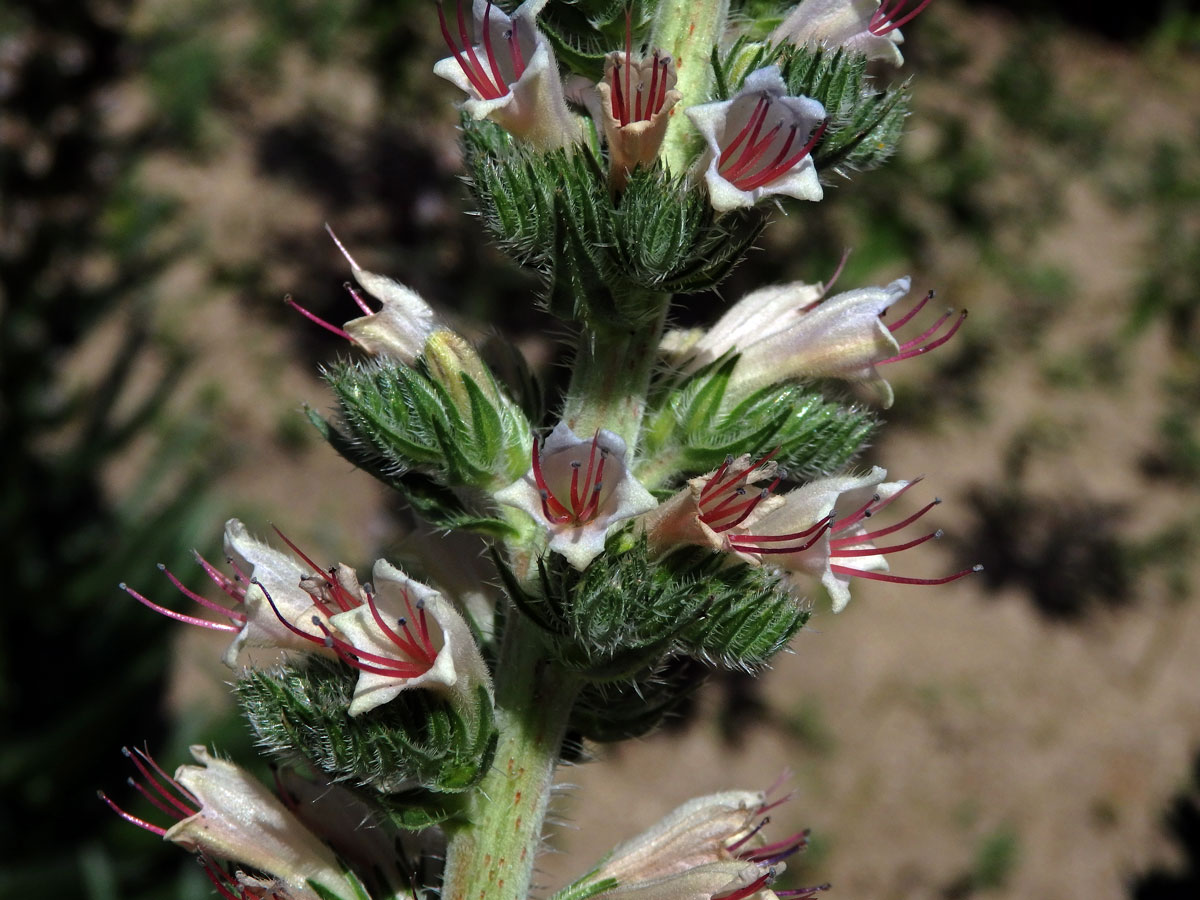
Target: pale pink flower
[509,73]
[221,812]
[577,489]
[759,143]
[824,530]
[859,26]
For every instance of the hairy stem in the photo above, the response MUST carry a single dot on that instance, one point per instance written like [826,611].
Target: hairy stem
[688,30]
[492,857]
[611,375]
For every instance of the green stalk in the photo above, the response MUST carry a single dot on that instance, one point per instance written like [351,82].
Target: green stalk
[688,30]
[492,858]
[611,376]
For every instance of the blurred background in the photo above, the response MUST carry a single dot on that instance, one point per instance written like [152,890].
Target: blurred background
[166,168]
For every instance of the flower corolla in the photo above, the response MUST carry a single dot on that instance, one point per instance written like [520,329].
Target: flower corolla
[859,26]
[759,143]
[509,74]
[635,102]
[821,531]
[407,636]
[577,489]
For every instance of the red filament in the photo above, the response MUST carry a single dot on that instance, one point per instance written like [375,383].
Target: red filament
[891,15]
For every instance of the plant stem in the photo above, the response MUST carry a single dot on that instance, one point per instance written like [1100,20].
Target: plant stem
[611,375]
[492,857]
[688,30]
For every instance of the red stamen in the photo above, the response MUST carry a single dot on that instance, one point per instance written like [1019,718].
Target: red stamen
[755,126]
[750,507]
[752,888]
[129,817]
[357,298]
[882,551]
[832,279]
[883,532]
[472,76]
[515,54]
[549,501]
[713,487]
[760,110]
[181,617]
[149,773]
[423,627]
[715,478]
[928,332]
[779,850]
[882,21]
[628,52]
[288,625]
[312,317]
[354,656]
[220,579]
[589,512]
[653,106]
[920,305]
[405,643]
[770,173]
[493,90]
[154,801]
[341,596]
[751,156]
[741,542]
[932,345]
[897,579]
[662,86]
[762,823]
[487,45]
[203,601]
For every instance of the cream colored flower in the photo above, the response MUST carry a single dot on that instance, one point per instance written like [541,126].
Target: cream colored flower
[401,328]
[827,530]
[636,99]
[860,26]
[267,571]
[238,819]
[726,501]
[759,143]
[407,636]
[710,848]
[577,489]
[509,74]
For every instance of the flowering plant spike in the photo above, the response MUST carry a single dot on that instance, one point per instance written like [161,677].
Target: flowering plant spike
[680,507]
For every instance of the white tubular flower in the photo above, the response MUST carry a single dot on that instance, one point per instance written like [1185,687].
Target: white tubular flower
[578,489]
[224,813]
[510,74]
[273,598]
[860,26]
[710,848]
[820,531]
[789,331]
[406,636]
[759,143]
[758,315]
[842,337]
[400,329]
[725,500]
[636,99]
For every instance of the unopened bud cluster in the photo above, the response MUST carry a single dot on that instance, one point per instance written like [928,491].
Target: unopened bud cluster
[691,497]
